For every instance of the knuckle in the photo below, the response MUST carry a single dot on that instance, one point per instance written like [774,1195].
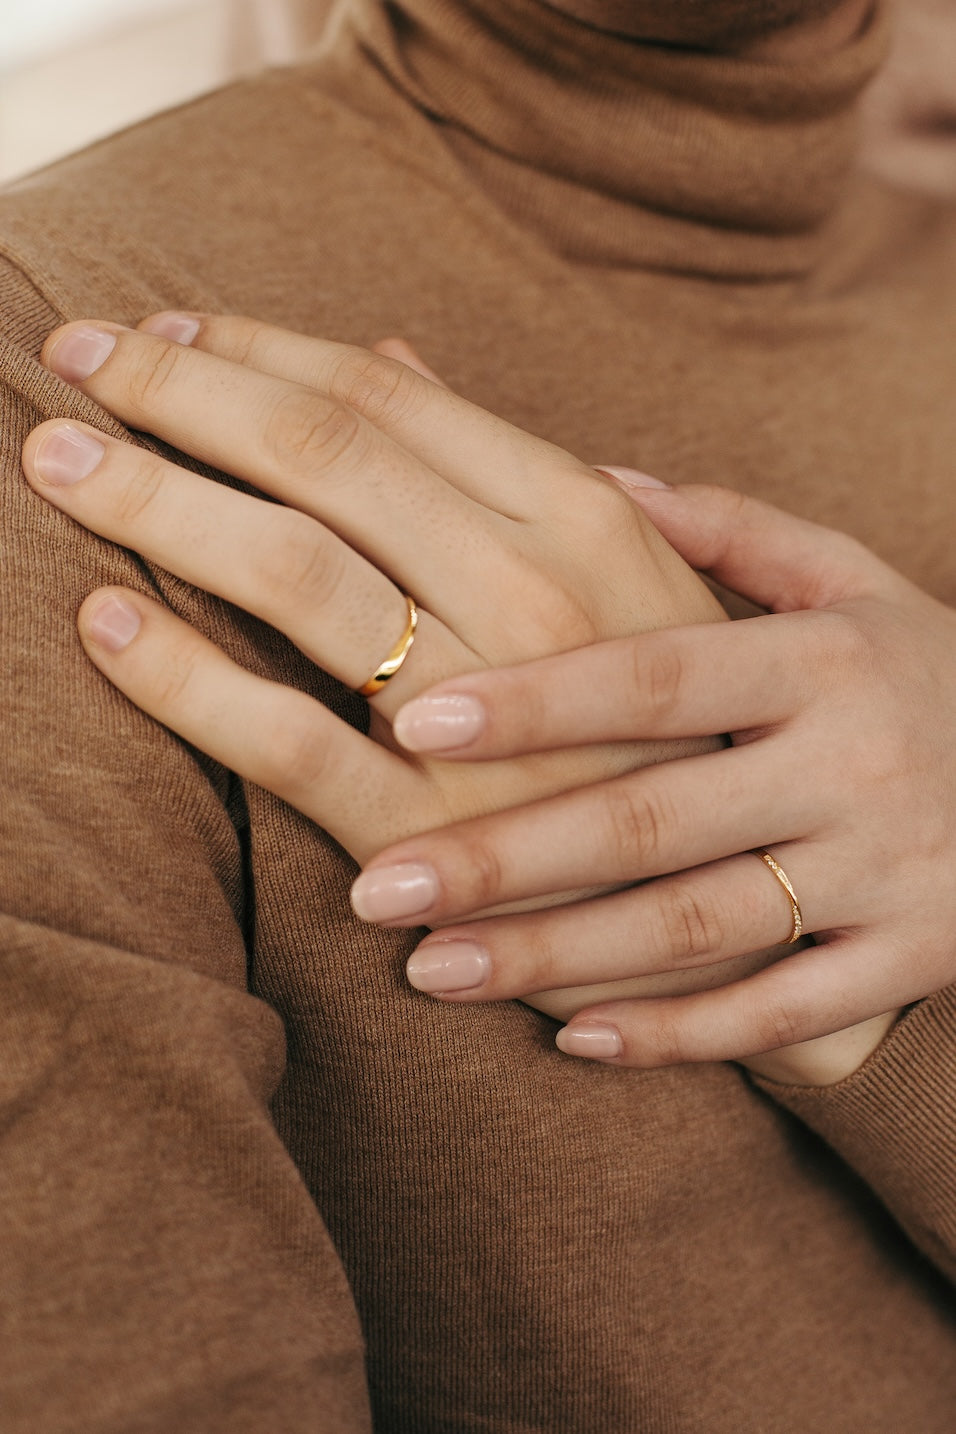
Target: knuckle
[881,758]
[380,389]
[475,870]
[848,643]
[694,931]
[776,1026]
[606,514]
[295,565]
[296,756]
[554,618]
[139,492]
[533,967]
[174,680]
[240,339]
[148,380]
[636,826]
[658,676]
[304,431]
[664,1038]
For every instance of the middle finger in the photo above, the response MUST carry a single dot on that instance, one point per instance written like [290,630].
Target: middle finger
[275,562]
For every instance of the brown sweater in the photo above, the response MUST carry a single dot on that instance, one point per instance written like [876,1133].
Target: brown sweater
[233,1143]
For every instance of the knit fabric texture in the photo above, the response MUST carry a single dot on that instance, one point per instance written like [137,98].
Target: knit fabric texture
[250,1180]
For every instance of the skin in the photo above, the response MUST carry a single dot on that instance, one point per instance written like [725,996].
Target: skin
[836,682]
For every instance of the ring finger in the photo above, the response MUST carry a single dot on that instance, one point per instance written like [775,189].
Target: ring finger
[685,932]
[275,562]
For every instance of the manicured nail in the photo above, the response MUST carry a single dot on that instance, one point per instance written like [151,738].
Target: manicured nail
[81,352]
[66,455]
[445,966]
[631,477]
[113,624]
[590,1039]
[439,724]
[389,893]
[181,328]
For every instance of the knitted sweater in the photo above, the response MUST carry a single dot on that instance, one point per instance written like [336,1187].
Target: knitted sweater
[250,1181]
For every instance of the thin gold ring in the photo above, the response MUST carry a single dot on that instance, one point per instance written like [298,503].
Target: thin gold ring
[387,669]
[785,882]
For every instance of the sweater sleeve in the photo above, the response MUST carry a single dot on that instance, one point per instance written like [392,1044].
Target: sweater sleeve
[163,1265]
[894,1122]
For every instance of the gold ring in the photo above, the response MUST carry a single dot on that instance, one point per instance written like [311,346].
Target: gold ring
[784,881]
[387,669]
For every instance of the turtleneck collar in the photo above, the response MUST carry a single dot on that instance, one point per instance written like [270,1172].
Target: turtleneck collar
[623,151]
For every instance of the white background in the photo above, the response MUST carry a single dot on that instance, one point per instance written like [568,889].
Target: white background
[72,71]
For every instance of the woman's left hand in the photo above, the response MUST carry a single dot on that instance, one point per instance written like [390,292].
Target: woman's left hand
[842,706]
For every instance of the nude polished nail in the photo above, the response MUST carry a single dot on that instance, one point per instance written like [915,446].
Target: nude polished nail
[181,328]
[391,893]
[439,724]
[443,967]
[593,1040]
[80,352]
[67,454]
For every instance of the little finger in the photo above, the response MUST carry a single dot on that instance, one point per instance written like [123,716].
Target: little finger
[812,993]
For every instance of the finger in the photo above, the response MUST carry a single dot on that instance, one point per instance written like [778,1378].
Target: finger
[272,561]
[776,560]
[639,939]
[813,993]
[480,454]
[269,733]
[305,448]
[667,684]
[641,825]
[402,350]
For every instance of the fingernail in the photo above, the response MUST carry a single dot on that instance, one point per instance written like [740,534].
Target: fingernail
[181,328]
[392,892]
[631,477]
[114,624]
[66,455]
[445,966]
[80,352]
[435,724]
[592,1040]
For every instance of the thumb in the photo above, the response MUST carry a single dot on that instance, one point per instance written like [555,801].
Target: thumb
[776,560]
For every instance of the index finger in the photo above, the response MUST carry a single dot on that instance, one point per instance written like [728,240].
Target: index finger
[680,682]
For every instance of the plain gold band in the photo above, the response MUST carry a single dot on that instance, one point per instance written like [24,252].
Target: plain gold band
[386,670]
[784,881]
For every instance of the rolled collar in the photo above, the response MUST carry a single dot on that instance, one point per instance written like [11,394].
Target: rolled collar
[622,151]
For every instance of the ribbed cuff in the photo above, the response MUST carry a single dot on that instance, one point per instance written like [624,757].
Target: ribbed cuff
[894,1122]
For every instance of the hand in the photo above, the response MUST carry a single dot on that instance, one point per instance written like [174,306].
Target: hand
[842,705]
[392,484]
